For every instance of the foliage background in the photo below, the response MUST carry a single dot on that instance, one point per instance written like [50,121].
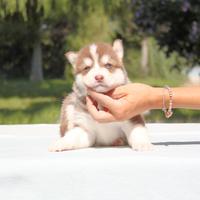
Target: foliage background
[34,35]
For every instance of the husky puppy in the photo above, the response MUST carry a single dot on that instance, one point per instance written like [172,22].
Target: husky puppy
[98,66]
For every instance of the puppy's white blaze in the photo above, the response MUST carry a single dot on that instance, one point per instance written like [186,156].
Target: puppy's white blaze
[105,58]
[70,116]
[93,49]
[87,61]
[93,52]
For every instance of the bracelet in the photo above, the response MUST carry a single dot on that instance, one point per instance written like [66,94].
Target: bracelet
[168,111]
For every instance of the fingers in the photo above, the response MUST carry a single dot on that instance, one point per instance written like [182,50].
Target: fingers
[104,100]
[100,116]
[118,92]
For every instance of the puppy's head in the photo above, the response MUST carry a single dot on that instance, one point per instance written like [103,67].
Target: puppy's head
[99,66]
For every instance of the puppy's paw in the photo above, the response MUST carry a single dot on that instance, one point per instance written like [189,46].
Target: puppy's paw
[60,145]
[142,146]
[139,141]
[75,138]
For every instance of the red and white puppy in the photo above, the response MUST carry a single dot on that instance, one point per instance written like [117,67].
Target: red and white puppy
[98,66]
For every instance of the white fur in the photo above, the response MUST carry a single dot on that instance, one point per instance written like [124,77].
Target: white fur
[75,138]
[105,58]
[93,52]
[137,135]
[87,61]
[118,48]
[105,134]
[81,85]
[70,116]
[99,130]
[72,57]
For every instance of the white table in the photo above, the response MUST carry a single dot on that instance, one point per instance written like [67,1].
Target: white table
[29,172]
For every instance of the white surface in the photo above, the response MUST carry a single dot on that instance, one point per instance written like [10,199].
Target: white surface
[170,172]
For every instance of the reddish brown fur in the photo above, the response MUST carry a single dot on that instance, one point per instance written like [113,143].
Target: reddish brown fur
[119,142]
[63,118]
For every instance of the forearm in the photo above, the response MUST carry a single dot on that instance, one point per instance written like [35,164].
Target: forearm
[183,97]
[187,97]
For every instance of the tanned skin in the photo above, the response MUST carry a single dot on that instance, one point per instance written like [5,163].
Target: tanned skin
[132,99]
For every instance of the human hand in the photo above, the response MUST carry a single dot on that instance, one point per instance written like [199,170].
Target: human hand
[122,103]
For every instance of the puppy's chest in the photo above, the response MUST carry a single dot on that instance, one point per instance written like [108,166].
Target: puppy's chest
[105,133]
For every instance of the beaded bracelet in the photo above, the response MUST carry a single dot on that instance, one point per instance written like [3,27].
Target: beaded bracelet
[168,111]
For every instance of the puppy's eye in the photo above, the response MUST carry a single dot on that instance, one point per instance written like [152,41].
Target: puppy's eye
[87,68]
[108,65]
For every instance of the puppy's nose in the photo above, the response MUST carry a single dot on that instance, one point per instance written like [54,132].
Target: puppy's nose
[99,77]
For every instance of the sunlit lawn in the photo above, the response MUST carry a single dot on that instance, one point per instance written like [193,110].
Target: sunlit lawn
[24,102]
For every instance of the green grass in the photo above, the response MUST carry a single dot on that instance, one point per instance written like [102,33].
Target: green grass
[24,102]
[25,88]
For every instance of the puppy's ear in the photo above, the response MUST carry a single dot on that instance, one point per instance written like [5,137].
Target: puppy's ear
[72,57]
[118,48]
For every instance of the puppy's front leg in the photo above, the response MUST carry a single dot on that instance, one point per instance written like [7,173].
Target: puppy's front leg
[75,138]
[137,136]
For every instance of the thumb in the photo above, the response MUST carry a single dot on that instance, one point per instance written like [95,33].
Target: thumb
[103,100]
[118,92]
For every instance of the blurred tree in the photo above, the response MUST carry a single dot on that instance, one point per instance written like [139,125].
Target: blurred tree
[46,23]
[175,25]
[34,35]
[14,48]
[27,24]
[43,16]
[92,23]
[128,31]
[34,14]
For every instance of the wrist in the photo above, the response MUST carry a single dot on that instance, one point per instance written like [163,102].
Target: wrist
[156,98]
